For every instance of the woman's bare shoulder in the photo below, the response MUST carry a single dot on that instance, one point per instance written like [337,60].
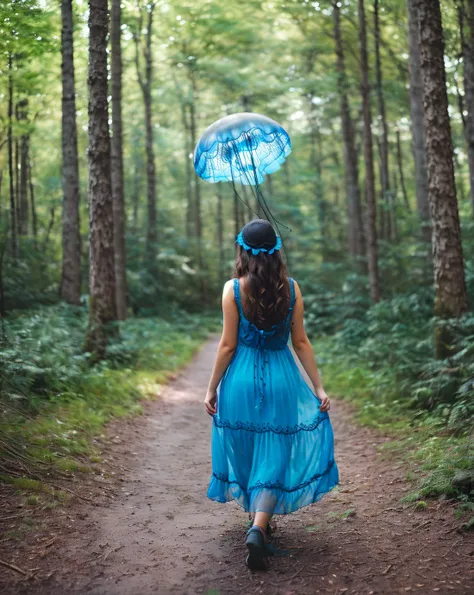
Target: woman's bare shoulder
[228,287]
[295,283]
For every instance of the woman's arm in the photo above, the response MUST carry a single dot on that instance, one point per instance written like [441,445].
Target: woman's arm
[304,350]
[227,345]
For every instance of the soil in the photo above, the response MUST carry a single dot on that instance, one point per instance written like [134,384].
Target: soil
[144,526]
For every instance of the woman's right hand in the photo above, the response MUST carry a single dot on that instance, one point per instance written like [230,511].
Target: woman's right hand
[325,403]
[210,402]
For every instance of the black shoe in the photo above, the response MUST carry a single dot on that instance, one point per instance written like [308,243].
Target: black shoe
[256,559]
[270,529]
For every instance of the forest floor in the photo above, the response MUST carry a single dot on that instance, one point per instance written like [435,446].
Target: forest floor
[144,525]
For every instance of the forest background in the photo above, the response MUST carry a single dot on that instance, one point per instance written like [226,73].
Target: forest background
[347,81]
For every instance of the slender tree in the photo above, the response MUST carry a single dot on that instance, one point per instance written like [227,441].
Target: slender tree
[121,292]
[185,107]
[450,287]
[316,165]
[189,173]
[13,207]
[34,217]
[466,13]
[137,184]
[417,123]
[237,226]
[145,80]
[384,146]
[197,183]
[71,241]
[355,227]
[371,227]
[101,238]
[220,233]
[401,172]
[1,201]
[22,164]
[17,177]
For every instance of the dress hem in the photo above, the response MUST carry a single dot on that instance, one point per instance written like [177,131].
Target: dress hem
[224,498]
[318,496]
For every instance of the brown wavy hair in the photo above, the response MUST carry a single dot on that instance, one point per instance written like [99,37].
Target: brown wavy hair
[266,288]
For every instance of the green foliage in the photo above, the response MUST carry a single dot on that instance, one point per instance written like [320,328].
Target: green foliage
[390,344]
[387,369]
[216,59]
[54,402]
[33,280]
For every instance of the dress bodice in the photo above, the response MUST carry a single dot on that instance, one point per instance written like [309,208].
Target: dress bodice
[272,339]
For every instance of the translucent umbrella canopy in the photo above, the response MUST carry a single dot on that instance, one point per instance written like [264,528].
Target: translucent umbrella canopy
[241,148]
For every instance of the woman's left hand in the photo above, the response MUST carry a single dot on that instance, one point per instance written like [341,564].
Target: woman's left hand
[325,403]
[210,402]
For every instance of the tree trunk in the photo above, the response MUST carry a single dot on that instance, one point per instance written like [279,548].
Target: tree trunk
[467,49]
[384,152]
[450,287]
[459,178]
[393,215]
[236,216]
[220,234]
[71,240]
[315,165]
[197,187]
[17,185]
[417,124]
[384,223]
[138,166]
[355,227]
[13,219]
[101,238]
[395,186]
[21,168]
[189,172]
[23,195]
[145,83]
[400,171]
[245,214]
[371,227]
[197,196]
[152,234]
[2,289]
[1,199]
[121,292]
[34,218]
[52,213]
[287,178]
[152,231]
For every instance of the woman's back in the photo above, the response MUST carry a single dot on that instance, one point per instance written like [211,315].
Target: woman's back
[250,335]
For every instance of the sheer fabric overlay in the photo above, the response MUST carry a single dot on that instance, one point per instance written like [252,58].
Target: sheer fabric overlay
[272,449]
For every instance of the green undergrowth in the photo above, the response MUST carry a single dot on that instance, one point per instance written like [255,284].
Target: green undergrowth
[54,404]
[439,453]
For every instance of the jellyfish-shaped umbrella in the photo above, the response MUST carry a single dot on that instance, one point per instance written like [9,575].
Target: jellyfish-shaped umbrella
[241,148]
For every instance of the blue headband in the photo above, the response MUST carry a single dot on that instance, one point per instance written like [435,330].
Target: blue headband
[240,240]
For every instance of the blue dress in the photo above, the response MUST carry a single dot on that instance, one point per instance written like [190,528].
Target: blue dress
[272,448]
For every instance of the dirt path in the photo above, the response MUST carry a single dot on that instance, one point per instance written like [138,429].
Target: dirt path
[160,534]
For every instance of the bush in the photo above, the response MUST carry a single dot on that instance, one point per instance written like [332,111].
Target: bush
[53,401]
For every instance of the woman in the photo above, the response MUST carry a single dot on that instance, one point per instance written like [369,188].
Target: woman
[272,440]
